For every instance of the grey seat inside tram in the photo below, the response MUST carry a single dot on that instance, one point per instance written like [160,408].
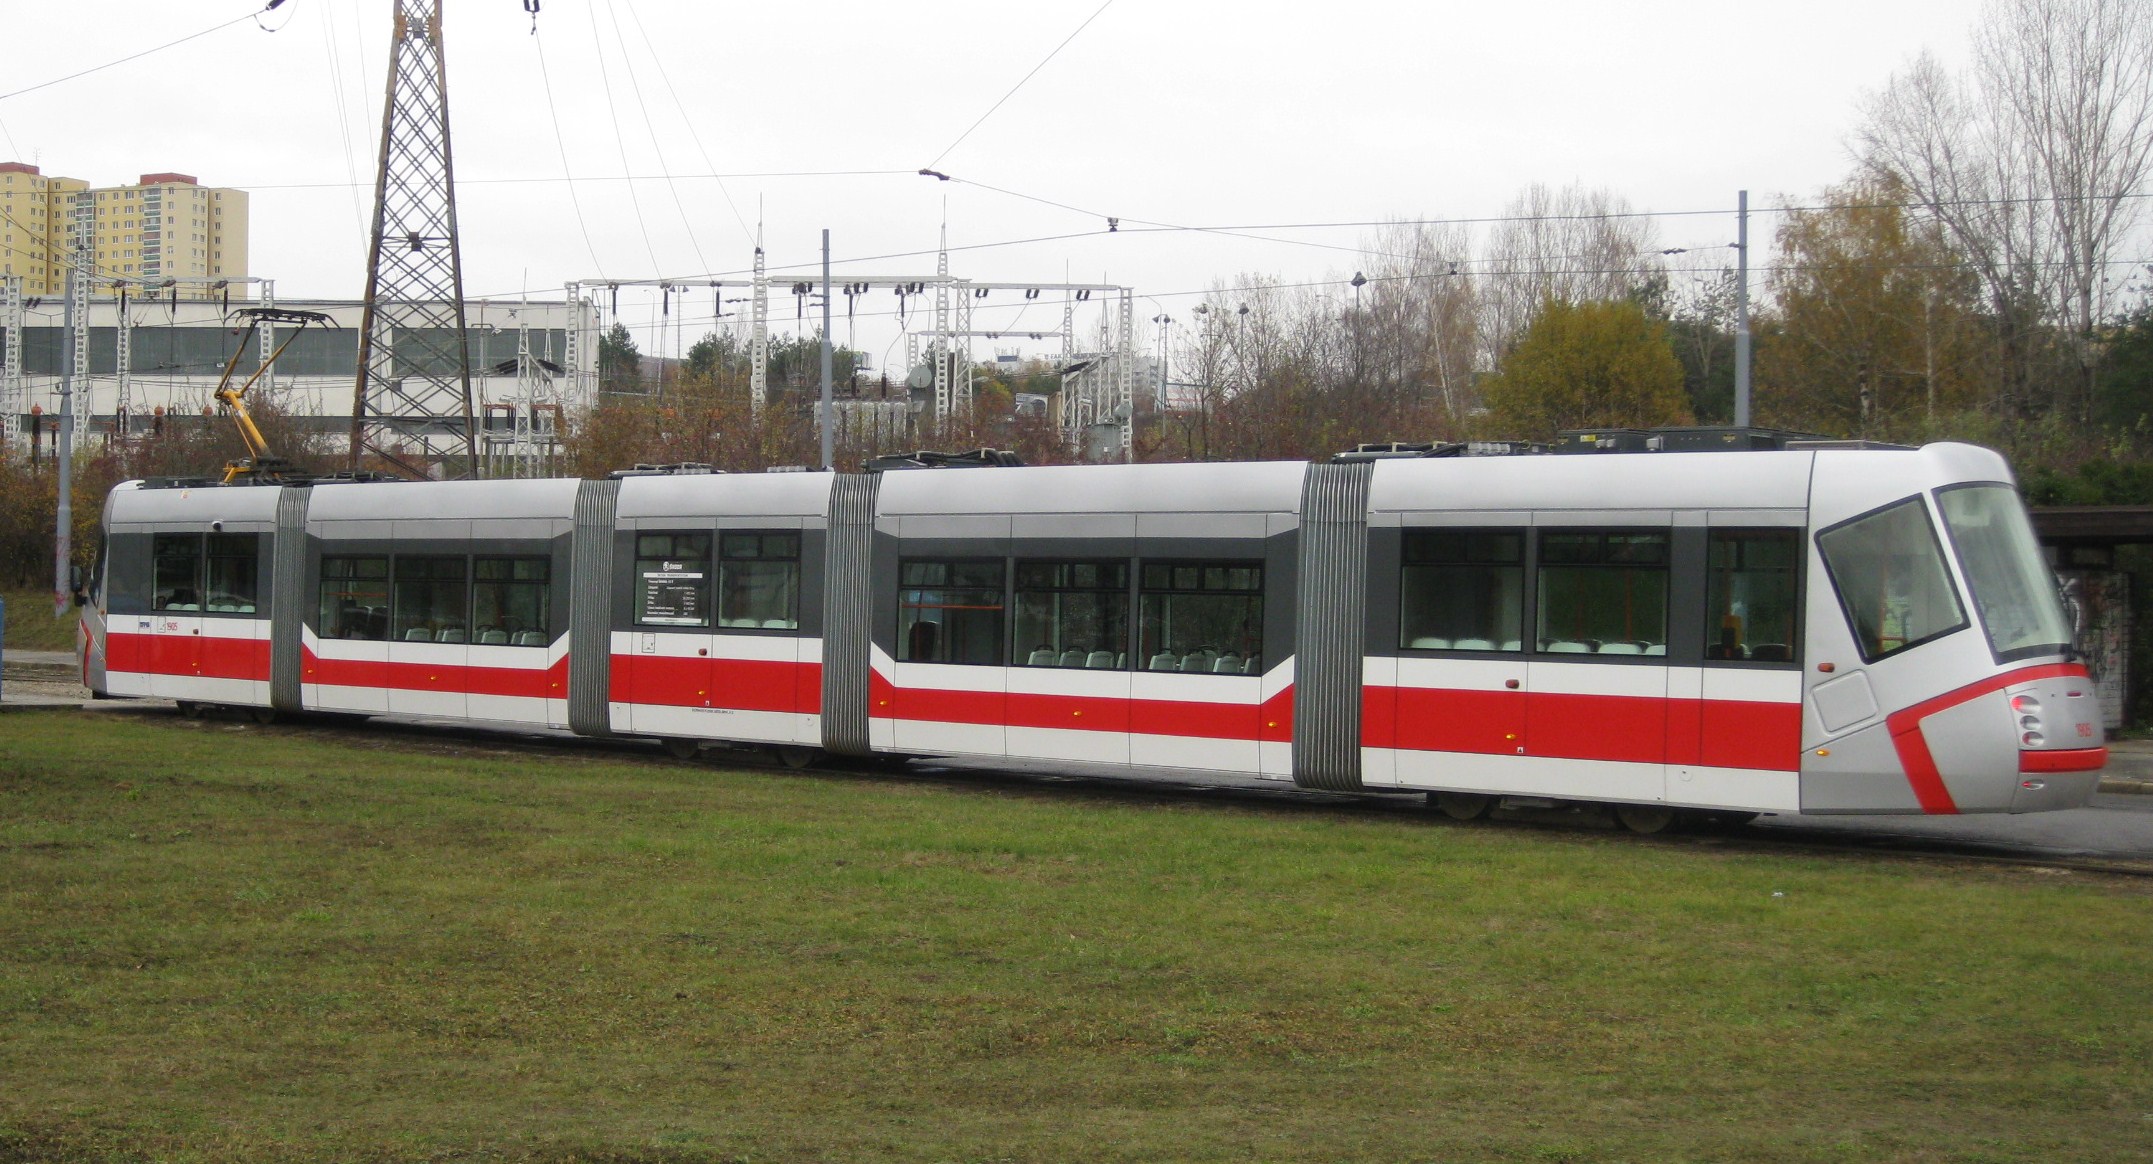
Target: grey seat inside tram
[530,638]
[1072,658]
[1165,661]
[1436,643]
[492,637]
[1228,664]
[1100,661]
[1043,657]
[418,634]
[1621,649]
[1468,644]
[452,634]
[1566,647]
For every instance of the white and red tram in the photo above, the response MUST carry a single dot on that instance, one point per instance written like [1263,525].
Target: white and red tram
[1825,630]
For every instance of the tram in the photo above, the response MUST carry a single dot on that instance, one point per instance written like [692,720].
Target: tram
[1796,630]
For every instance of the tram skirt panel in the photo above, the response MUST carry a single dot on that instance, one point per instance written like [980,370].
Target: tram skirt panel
[590,609]
[1331,609]
[287,598]
[847,614]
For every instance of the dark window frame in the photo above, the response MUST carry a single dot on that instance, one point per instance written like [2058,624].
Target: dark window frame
[721,578]
[1797,568]
[997,656]
[1177,585]
[1407,562]
[1121,587]
[1540,563]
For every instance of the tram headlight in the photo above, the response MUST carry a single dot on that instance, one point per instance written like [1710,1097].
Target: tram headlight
[2033,739]
[2030,722]
[2026,703]
[2028,710]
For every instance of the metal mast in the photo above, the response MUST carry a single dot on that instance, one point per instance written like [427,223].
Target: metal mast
[412,406]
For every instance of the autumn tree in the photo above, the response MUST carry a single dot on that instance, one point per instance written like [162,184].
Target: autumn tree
[1571,245]
[1586,365]
[1876,326]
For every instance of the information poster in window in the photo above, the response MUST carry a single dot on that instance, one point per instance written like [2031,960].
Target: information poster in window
[673,596]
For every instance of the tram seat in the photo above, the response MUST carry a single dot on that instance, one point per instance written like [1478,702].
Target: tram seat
[1254,666]
[530,638]
[451,634]
[736,622]
[1725,651]
[1073,658]
[1043,657]
[1100,661]
[1432,643]
[418,634]
[1510,644]
[1771,653]
[1468,645]
[1194,661]
[1165,661]
[1566,647]
[777,624]
[492,637]
[224,607]
[245,608]
[1227,665]
[1621,649]
[184,606]
[1655,648]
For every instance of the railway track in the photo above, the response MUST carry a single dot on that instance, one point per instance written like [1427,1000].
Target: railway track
[1858,837]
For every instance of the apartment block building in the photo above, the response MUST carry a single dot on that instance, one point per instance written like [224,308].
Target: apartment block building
[165,226]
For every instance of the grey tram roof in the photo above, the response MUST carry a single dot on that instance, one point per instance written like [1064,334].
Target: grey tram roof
[1247,487]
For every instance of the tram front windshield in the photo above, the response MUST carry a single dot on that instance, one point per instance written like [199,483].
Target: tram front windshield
[2012,586]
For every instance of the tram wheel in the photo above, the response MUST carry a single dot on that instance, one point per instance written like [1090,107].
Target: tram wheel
[1646,819]
[189,709]
[1462,805]
[795,756]
[682,748]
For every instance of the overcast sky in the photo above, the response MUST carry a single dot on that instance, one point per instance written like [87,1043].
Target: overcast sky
[1173,111]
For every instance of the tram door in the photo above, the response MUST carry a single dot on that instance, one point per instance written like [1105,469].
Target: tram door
[1599,684]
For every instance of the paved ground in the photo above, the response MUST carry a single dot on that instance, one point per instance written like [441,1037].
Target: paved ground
[2117,825]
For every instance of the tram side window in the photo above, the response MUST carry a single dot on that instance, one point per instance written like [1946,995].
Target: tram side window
[510,601]
[1750,589]
[759,580]
[430,594]
[1603,592]
[1072,614]
[354,598]
[672,579]
[1204,617]
[950,612]
[176,572]
[1889,571]
[234,563]
[1461,590]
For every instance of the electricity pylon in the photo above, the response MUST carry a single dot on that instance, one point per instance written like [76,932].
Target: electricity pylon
[412,407]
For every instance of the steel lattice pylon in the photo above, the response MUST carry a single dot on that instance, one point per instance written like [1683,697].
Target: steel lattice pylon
[412,408]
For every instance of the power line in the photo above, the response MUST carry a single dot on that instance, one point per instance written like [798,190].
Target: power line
[636,84]
[605,78]
[138,56]
[546,79]
[1019,85]
[685,120]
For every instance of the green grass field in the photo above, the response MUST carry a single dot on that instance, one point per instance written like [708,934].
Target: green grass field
[226,942]
[30,624]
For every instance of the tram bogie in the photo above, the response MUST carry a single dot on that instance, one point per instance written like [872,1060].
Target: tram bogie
[1679,636]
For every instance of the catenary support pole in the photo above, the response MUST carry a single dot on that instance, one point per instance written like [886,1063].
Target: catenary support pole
[63,524]
[1741,311]
[828,462]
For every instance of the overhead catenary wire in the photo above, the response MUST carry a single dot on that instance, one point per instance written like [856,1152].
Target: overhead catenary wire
[240,19]
[605,79]
[546,81]
[688,122]
[1019,85]
[635,84]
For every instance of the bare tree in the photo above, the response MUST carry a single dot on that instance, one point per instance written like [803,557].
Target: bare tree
[1414,340]
[1572,245]
[2032,165]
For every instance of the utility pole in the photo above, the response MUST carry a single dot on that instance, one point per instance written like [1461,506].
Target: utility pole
[828,461]
[1741,311]
[412,405]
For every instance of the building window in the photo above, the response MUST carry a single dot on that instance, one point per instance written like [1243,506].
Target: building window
[1462,590]
[354,598]
[950,612]
[1202,617]
[1603,592]
[1750,589]
[511,602]
[1072,614]
[430,599]
[759,580]
[672,579]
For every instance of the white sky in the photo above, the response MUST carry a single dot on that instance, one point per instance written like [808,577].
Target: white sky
[1192,112]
